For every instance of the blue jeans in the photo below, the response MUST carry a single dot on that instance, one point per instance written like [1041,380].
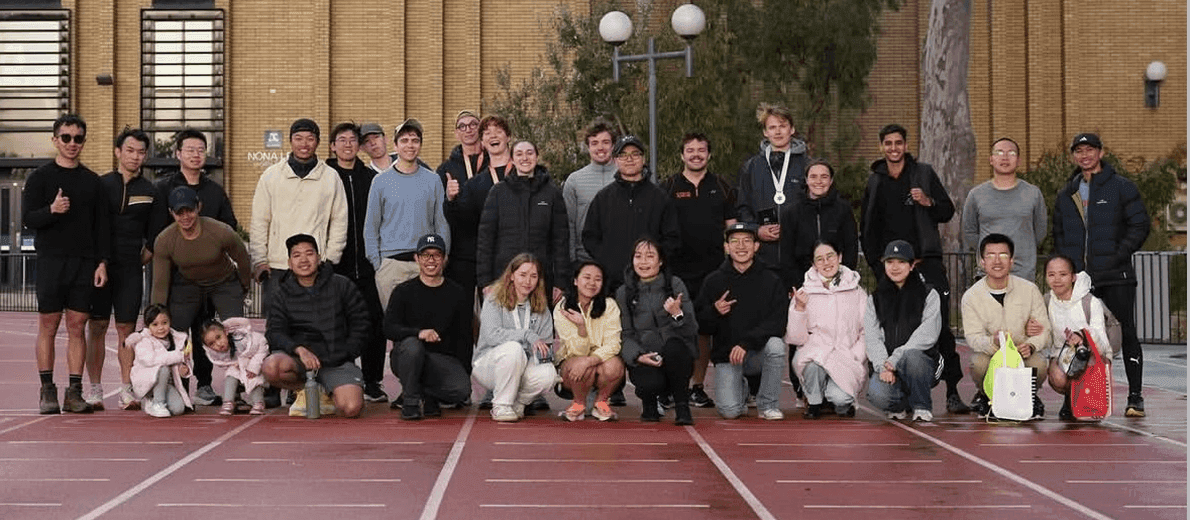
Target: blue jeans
[915,373]
[731,389]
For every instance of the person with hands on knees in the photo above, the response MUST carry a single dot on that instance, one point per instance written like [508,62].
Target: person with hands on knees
[901,327]
[588,325]
[745,304]
[162,360]
[318,322]
[1073,310]
[240,351]
[1004,302]
[827,319]
[660,332]
[513,358]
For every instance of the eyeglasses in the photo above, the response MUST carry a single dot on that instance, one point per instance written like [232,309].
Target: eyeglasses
[737,241]
[193,151]
[346,140]
[1002,153]
[630,155]
[467,126]
[825,258]
[431,256]
[992,256]
[67,138]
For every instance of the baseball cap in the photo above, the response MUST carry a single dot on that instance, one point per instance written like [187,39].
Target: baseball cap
[367,129]
[407,124]
[741,227]
[305,125]
[1087,139]
[431,241]
[466,113]
[898,249]
[183,197]
[626,141]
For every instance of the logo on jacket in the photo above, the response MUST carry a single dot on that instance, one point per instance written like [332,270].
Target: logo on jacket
[683,195]
[542,203]
[1101,201]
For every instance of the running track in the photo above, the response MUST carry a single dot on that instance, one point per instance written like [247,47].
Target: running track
[118,464]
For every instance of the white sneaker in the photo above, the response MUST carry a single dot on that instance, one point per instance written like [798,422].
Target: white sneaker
[504,414]
[94,396]
[897,416]
[923,415]
[127,400]
[156,409]
[772,414]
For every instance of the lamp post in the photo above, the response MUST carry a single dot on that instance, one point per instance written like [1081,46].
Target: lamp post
[1154,75]
[615,28]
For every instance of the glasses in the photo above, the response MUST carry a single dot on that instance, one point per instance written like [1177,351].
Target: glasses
[193,151]
[993,256]
[826,258]
[68,138]
[467,126]
[347,140]
[1002,153]
[737,241]
[432,256]
[630,155]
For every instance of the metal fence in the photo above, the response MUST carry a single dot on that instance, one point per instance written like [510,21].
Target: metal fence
[1160,294]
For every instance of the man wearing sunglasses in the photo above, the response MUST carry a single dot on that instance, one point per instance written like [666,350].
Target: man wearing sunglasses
[63,203]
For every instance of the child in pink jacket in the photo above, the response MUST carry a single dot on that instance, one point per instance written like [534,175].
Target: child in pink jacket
[162,360]
[233,346]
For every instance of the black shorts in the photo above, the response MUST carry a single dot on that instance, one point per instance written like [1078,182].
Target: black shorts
[123,293]
[64,282]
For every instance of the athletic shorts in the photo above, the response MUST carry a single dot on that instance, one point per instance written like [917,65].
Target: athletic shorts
[333,377]
[123,293]
[64,282]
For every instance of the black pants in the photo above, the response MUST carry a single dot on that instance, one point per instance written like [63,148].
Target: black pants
[375,346]
[190,305]
[462,272]
[934,272]
[1121,301]
[428,374]
[671,377]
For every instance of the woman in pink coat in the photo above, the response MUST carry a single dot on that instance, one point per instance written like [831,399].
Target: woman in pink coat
[233,346]
[162,360]
[826,317]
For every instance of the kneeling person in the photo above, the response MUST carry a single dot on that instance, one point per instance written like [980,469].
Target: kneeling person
[318,322]
[428,318]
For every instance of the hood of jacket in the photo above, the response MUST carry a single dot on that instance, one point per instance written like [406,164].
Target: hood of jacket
[796,146]
[1082,286]
[846,280]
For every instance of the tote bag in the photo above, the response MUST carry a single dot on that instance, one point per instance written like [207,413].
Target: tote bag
[1012,386]
[1091,393]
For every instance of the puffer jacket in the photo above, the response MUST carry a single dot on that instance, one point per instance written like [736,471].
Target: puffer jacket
[464,225]
[1116,226]
[357,182]
[251,349]
[831,329]
[523,215]
[807,221]
[151,355]
[623,212]
[646,326]
[330,319]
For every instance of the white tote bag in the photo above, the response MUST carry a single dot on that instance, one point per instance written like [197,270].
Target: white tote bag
[1012,391]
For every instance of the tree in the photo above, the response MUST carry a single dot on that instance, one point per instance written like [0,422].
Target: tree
[947,139]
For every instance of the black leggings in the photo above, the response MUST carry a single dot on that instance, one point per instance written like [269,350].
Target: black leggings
[672,376]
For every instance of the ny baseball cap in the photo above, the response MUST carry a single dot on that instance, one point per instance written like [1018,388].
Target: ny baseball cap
[431,241]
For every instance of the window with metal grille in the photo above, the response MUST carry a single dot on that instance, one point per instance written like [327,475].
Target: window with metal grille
[34,82]
[182,80]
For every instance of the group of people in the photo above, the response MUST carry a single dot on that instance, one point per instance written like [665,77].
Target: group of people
[485,269]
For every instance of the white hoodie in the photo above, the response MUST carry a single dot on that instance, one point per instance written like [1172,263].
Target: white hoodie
[1069,314]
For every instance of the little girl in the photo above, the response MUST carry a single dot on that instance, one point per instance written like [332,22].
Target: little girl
[160,353]
[233,346]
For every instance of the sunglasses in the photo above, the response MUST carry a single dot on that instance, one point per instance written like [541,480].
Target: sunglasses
[67,138]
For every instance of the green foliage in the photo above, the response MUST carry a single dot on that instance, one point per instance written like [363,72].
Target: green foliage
[812,56]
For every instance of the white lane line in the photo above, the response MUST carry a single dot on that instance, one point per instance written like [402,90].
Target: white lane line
[1063,444]
[599,506]
[828,445]
[614,461]
[339,441]
[857,506]
[22,425]
[138,443]
[293,480]
[837,461]
[68,459]
[1044,491]
[880,482]
[796,430]
[320,461]
[55,479]
[303,506]
[434,501]
[1088,461]
[1125,481]
[585,481]
[745,493]
[30,504]
[1136,430]
[1171,506]
[157,477]
[508,443]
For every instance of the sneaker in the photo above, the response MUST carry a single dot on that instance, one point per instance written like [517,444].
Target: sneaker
[812,411]
[650,411]
[845,411]
[49,400]
[411,412]
[298,408]
[1136,406]
[272,397]
[897,416]
[206,396]
[772,414]
[257,408]
[73,401]
[430,407]
[540,404]
[751,401]
[576,412]
[374,393]
[520,410]
[699,398]
[228,408]
[1065,413]
[682,415]
[127,400]
[156,409]
[398,402]
[504,414]
[1038,409]
[981,404]
[923,416]
[955,405]
[486,402]
[603,411]
[94,396]
[326,405]
[617,398]
[666,401]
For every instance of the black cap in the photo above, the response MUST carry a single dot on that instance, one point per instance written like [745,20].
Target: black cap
[626,141]
[183,197]
[899,249]
[741,227]
[1088,139]
[300,238]
[367,129]
[305,125]
[431,241]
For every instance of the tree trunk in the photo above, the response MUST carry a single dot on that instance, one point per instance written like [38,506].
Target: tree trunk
[947,139]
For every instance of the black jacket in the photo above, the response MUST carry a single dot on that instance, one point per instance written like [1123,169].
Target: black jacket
[330,319]
[1116,226]
[131,205]
[702,212]
[807,221]
[620,214]
[926,219]
[755,191]
[215,203]
[760,311]
[524,215]
[463,215]
[357,182]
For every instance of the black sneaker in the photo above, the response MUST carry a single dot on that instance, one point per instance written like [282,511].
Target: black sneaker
[981,404]
[73,402]
[374,393]
[486,402]
[1038,409]
[411,412]
[813,411]
[649,410]
[272,397]
[845,411]
[666,401]
[430,407]
[617,398]
[682,415]
[398,402]
[1136,406]
[1065,413]
[539,404]
[955,405]
[699,398]
[49,400]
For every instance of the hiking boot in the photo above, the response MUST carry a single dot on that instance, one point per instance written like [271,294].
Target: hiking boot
[374,393]
[1136,406]
[430,407]
[49,400]
[73,402]
[1038,409]
[682,415]
[206,396]
[955,405]
[812,411]
[699,398]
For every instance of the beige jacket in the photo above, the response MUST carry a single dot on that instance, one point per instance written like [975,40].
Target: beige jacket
[285,205]
[602,339]
[983,316]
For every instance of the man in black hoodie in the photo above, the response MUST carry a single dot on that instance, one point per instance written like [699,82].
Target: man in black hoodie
[905,200]
[318,323]
[745,305]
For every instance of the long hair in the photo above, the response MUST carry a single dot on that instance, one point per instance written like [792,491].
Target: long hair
[598,303]
[151,314]
[632,280]
[505,294]
[214,324]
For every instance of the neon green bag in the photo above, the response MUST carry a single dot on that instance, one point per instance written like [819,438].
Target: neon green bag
[1007,356]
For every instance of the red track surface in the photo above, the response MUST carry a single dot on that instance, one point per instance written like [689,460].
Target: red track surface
[118,464]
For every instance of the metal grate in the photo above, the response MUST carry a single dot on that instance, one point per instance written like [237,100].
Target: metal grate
[34,82]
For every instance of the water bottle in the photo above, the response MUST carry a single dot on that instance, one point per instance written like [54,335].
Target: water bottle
[313,399]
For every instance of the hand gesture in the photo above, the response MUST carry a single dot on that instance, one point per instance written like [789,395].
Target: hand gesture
[723,305]
[574,317]
[800,299]
[1033,328]
[452,187]
[920,197]
[429,336]
[1073,338]
[673,305]
[770,232]
[737,355]
[61,203]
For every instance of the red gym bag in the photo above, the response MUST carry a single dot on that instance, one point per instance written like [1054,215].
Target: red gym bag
[1090,393]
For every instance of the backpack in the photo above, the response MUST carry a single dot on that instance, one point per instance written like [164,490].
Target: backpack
[1115,332]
